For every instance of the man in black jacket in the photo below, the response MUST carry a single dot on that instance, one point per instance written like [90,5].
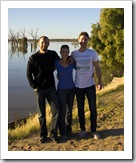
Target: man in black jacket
[40,70]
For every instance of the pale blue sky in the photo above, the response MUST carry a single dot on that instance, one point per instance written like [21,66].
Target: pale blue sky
[53,22]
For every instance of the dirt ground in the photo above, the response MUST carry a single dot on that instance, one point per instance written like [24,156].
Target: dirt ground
[111,140]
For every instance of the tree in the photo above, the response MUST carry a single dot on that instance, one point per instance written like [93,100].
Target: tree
[95,41]
[112,35]
[22,33]
[34,34]
[107,37]
[34,42]
[13,37]
[22,41]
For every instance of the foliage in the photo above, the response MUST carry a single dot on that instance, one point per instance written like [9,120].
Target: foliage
[95,41]
[107,37]
[22,41]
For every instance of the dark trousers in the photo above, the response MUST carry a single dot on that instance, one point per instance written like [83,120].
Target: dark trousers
[90,93]
[52,98]
[66,99]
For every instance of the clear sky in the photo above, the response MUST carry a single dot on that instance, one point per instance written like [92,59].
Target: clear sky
[53,22]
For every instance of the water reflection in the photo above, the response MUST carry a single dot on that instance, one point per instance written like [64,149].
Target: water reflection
[22,49]
[33,46]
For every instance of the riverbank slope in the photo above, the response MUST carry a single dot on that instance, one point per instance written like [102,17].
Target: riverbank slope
[110,106]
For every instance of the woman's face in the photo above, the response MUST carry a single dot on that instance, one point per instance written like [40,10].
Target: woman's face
[64,52]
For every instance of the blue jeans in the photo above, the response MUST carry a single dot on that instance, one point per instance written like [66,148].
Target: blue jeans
[66,99]
[90,93]
[52,98]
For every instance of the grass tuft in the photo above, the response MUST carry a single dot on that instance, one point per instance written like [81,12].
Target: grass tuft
[22,131]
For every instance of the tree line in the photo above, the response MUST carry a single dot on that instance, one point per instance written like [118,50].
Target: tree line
[20,37]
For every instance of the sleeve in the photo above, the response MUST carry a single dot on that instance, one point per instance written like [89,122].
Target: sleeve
[95,56]
[30,73]
[55,64]
[56,56]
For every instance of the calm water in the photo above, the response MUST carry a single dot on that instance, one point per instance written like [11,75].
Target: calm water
[21,99]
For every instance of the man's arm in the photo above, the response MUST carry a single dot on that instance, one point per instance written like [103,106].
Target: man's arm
[70,59]
[30,69]
[98,73]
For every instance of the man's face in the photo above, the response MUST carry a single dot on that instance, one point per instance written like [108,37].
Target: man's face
[83,40]
[43,43]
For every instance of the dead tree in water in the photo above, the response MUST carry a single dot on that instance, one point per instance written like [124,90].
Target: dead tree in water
[22,33]
[34,37]
[13,37]
[23,39]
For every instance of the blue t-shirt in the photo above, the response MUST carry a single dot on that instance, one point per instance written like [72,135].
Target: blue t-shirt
[65,75]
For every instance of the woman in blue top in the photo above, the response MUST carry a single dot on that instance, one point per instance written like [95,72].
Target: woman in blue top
[65,89]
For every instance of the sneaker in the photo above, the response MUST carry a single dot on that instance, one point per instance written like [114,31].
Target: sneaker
[54,139]
[64,136]
[82,134]
[96,135]
[70,134]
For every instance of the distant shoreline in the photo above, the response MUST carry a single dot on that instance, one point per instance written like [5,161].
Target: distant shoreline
[58,40]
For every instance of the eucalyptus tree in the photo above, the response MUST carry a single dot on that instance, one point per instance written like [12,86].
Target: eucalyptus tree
[95,42]
[112,35]
[107,37]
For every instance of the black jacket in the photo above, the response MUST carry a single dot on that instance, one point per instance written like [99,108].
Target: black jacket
[40,69]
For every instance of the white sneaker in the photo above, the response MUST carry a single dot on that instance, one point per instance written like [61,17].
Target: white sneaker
[96,135]
[82,134]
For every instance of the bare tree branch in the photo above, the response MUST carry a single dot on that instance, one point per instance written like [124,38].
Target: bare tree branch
[22,33]
[34,34]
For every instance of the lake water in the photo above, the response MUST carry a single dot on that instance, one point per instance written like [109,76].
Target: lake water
[21,99]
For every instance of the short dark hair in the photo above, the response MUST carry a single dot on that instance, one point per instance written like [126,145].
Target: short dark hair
[64,46]
[45,37]
[84,33]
